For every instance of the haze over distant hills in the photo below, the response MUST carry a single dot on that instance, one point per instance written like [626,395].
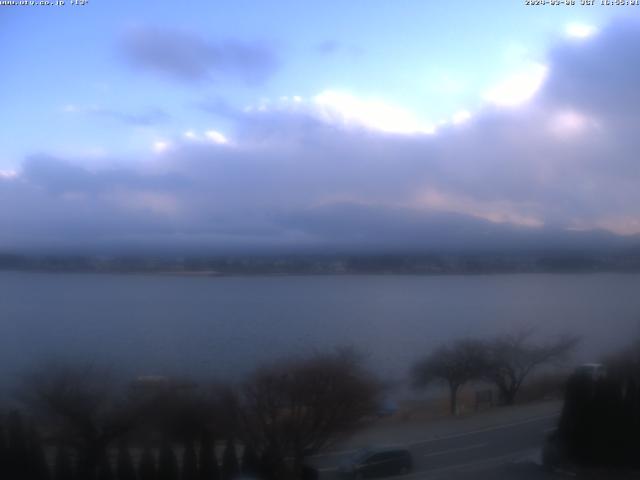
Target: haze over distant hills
[354,239]
[345,228]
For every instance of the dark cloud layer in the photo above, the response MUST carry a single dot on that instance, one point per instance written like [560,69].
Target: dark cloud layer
[189,57]
[527,176]
[599,75]
[63,177]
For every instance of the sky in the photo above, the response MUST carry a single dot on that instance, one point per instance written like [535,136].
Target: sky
[258,124]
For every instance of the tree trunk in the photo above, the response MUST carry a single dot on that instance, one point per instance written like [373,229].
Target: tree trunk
[507,392]
[89,457]
[509,396]
[453,398]
[296,468]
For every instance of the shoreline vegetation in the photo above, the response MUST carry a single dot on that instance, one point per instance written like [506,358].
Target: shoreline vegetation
[289,265]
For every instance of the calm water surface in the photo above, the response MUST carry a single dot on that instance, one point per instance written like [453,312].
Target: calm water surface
[226,326]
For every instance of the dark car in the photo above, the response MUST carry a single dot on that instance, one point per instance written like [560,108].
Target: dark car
[378,462]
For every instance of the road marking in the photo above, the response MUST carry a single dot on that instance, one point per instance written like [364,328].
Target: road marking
[436,472]
[447,437]
[487,429]
[443,452]
[453,450]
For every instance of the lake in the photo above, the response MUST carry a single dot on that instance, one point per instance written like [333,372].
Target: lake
[225,326]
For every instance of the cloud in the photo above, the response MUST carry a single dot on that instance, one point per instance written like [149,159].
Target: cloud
[215,136]
[60,177]
[329,171]
[160,146]
[519,87]
[595,75]
[188,57]
[220,107]
[371,113]
[580,30]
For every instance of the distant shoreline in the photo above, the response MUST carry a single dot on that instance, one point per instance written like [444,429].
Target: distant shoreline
[215,274]
[330,264]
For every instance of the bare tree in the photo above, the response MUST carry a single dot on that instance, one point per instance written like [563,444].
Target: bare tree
[181,413]
[295,408]
[454,364]
[80,405]
[209,469]
[511,358]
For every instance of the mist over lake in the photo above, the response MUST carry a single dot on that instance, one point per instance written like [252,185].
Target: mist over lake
[224,327]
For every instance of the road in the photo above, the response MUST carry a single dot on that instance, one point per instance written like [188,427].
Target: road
[489,449]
